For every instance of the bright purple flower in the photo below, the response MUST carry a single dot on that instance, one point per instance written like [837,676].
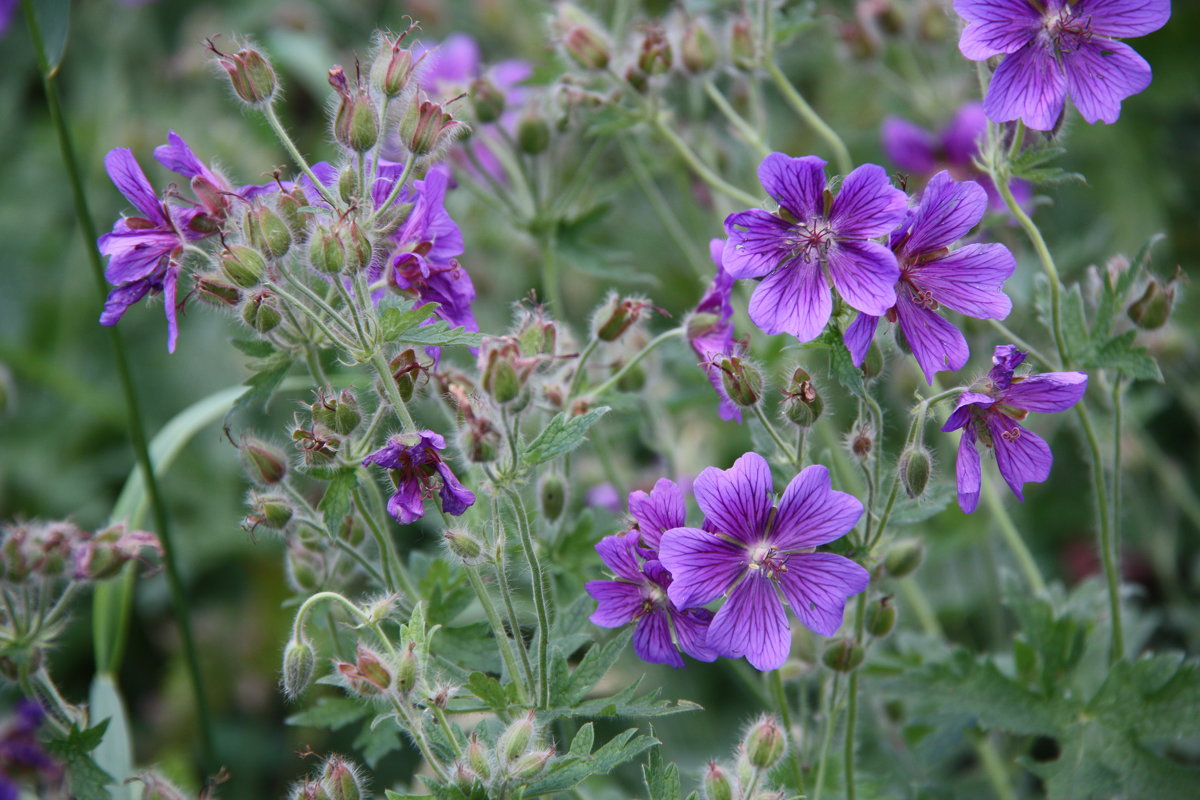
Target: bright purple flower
[656,511]
[638,594]
[991,417]
[710,331]
[920,153]
[413,460]
[756,551]
[810,235]
[1055,48]
[968,280]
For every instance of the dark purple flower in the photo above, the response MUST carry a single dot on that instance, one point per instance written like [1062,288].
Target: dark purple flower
[638,594]
[22,757]
[756,552]
[413,460]
[792,250]
[921,153]
[659,510]
[710,331]
[968,280]
[991,417]
[1055,48]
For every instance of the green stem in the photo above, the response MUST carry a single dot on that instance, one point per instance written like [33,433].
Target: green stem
[502,639]
[386,556]
[546,239]
[580,375]
[137,433]
[736,120]
[914,598]
[702,170]
[993,767]
[500,562]
[1012,537]
[281,133]
[1108,542]
[1021,343]
[397,187]
[841,155]
[541,595]
[662,209]
[781,445]
[852,708]
[785,716]
[830,715]
[393,392]
[633,362]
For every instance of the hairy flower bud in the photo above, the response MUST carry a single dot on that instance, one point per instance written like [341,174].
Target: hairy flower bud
[487,100]
[340,779]
[243,266]
[408,670]
[261,312]
[654,55]
[516,740]
[552,495]
[103,555]
[299,665]
[344,247]
[741,381]
[914,466]
[356,120]
[802,405]
[903,558]
[530,765]
[872,364]
[1152,310]
[582,38]
[500,378]
[250,74]
[214,289]
[427,127]
[339,413]
[881,617]
[717,783]
[305,567]
[464,545]
[393,67]
[265,464]
[699,49]
[368,675]
[765,743]
[742,49]
[273,511]
[843,655]
[533,132]
[266,231]
[477,758]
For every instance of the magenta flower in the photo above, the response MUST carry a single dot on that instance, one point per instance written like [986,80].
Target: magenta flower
[413,461]
[991,417]
[638,593]
[710,331]
[758,552]
[967,280]
[792,250]
[1055,48]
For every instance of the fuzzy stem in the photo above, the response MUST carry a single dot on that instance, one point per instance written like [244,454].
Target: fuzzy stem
[541,595]
[502,639]
[785,716]
[1012,537]
[780,444]
[281,133]
[633,362]
[397,187]
[393,392]
[702,170]
[736,120]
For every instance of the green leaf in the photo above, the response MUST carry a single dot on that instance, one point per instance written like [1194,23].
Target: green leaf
[1153,698]
[624,703]
[561,436]
[394,322]
[408,327]
[331,712]
[1074,323]
[114,753]
[254,348]
[593,666]
[571,769]
[375,741]
[1123,356]
[488,689]
[444,586]
[584,739]
[87,781]
[263,383]
[662,779]
[470,647]
[841,363]
[335,505]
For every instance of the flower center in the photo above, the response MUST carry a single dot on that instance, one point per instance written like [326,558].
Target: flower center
[810,240]
[768,560]
[1068,31]
[652,598]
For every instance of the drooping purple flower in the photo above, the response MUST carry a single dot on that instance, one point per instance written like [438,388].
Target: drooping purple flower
[968,280]
[638,593]
[921,153]
[991,417]
[1056,48]
[23,760]
[812,234]
[710,331]
[413,461]
[761,554]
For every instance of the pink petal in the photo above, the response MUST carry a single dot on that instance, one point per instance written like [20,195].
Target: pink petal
[752,624]
[816,586]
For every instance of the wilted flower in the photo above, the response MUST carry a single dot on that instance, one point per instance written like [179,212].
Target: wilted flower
[414,459]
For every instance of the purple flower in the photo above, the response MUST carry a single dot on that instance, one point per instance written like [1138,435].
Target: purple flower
[657,511]
[413,460]
[22,756]
[967,280]
[921,153]
[710,331]
[638,593]
[1055,48]
[810,235]
[991,417]
[756,551]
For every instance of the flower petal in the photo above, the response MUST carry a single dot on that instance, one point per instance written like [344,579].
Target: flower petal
[996,26]
[960,138]
[691,631]
[1100,74]
[123,168]
[652,640]
[757,243]
[1046,392]
[1022,456]
[797,184]
[948,210]
[962,412]
[865,275]
[617,602]
[135,254]
[702,565]
[658,511]
[816,586]
[970,280]
[178,157]
[752,624]
[810,513]
[120,299]
[456,498]
[937,345]
[908,146]
[858,337]
[968,472]
[1028,85]
[793,299]
[867,205]
[170,281]
[407,504]
[737,501]
[619,553]
[1124,19]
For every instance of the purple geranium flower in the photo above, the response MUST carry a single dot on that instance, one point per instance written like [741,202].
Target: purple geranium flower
[22,757]
[754,551]
[967,280]
[638,593]
[657,511]
[814,232]
[991,417]
[413,460]
[710,331]
[1055,48]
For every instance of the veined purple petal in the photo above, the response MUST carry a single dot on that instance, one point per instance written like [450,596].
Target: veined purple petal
[1005,360]
[1028,85]
[658,511]
[908,146]
[702,565]
[456,498]
[948,210]
[752,624]
[652,640]
[1046,392]
[691,631]
[1022,456]
[968,472]
[859,335]
[865,275]
[736,501]
[617,602]
[937,345]
[962,412]
[757,243]
[619,553]
[407,504]
[178,157]
[793,299]
[811,513]
[123,168]
[996,26]
[170,281]
[867,205]
[120,299]
[797,184]
[135,254]
[816,586]
[1100,74]
[969,280]
[1124,19]
[960,139]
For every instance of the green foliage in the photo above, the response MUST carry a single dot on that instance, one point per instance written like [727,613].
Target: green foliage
[575,766]
[661,779]
[408,327]
[335,503]
[87,781]
[563,434]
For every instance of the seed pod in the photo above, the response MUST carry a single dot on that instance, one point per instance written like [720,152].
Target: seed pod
[250,74]
[699,50]
[477,758]
[903,558]
[392,70]
[717,783]
[463,545]
[408,670]
[266,231]
[914,469]
[530,765]
[552,495]
[533,132]
[741,380]
[873,362]
[742,49]
[487,100]
[1152,310]
[340,779]
[654,55]
[765,743]
[802,405]
[266,464]
[881,617]
[259,311]
[214,289]
[243,266]
[843,655]
[516,739]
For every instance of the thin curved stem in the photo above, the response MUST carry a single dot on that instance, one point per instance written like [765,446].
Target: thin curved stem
[281,133]
[541,595]
[502,639]
[736,120]
[633,362]
[702,170]
[792,96]
[1012,537]
[785,716]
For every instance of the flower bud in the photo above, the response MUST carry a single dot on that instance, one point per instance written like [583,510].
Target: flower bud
[717,783]
[914,466]
[265,464]
[271,511]
[639,80]
[903,558]
[291,204]
[582,38]
[356,121]
[266,231]
[340,779]
[552,495]
[742,381]
[214,289]
[243,266]
[516,739]
[299,664]
[341,248]
[368,675]
[500,378]
[843,655]
[464,545]
[481,443]
[339,413]
[487,100]
[406,370]
[349,187]
[765,743]
[1152,310]
[392,70]
[305,568]
[156,787]
[103,555]
[260,312]
[427,126]
[881,617]
[408,670]
[802,405]
[250,74]
[530,765]
[699,49]
[742,49]
[8,391]
[873,361]
[477,758]
[654,55]
[533,132]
